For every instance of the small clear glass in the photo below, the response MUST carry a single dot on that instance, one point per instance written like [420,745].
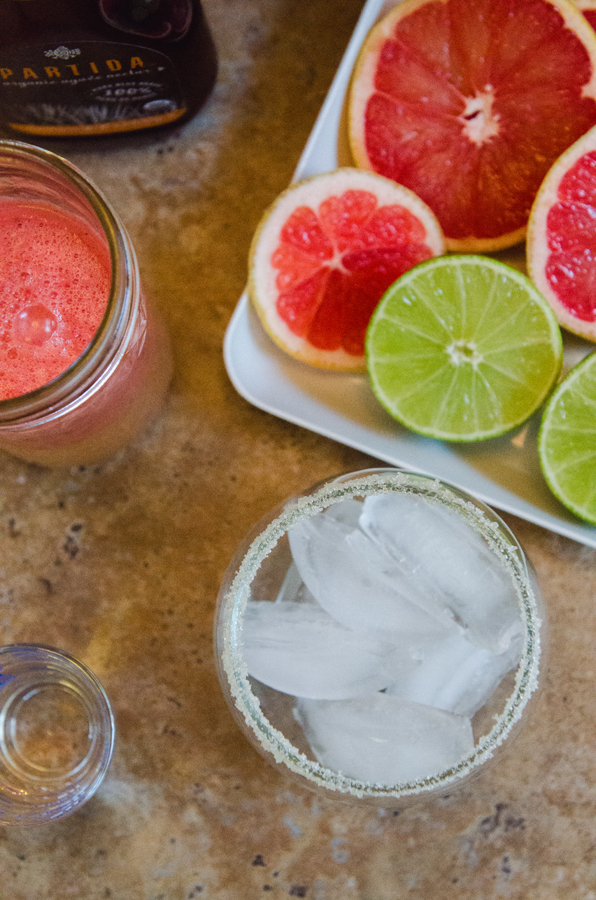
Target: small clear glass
[56,734]
[107,396]
[261,571]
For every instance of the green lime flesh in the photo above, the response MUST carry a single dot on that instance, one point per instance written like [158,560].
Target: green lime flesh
[567,440]
[463,348]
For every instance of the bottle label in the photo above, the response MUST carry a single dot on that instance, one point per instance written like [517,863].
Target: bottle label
[87,87]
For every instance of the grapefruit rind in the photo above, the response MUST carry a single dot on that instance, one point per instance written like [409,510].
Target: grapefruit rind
[567,441]
[311,192]
[463,348]
[362,86]
[587,7]
[537,244]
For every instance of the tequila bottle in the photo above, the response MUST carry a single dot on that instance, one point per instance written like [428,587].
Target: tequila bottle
[74,68]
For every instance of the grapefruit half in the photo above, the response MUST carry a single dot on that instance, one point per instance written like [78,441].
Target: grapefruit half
[325,253]
[469,102]
[561,245]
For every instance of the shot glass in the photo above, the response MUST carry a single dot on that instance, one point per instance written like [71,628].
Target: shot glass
[108,394]
[56,734]
[380,638]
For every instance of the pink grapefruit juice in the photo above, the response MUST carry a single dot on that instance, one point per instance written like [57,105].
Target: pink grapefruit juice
[57,304]
[55,275]
[84,359]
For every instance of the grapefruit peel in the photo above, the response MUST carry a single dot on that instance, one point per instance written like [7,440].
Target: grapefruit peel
[323,255]
[588,8]
[561,243]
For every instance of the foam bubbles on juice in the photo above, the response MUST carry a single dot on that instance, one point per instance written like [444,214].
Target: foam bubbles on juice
[35,324]
[54,289]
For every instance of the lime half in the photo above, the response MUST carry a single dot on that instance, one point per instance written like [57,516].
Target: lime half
[463,348]
[567,440]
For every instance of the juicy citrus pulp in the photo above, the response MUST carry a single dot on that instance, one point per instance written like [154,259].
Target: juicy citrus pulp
[323,256]
[567,440]
[462,348]
[561,246]
[469,102]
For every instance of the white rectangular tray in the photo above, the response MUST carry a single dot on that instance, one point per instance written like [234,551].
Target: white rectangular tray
[503,472]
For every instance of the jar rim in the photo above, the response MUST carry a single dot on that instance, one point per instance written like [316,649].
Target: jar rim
[102,350]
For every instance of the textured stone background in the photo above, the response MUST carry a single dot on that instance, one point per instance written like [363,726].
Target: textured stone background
[120,564]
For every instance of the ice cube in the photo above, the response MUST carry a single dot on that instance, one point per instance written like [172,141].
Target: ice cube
[293,589]
[450,560]
[417,604]
[381,739]
[300,650]
[347,511]
[358,584]
[455,675]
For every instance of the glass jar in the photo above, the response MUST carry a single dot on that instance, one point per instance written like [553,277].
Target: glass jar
[400,676]
[107,396]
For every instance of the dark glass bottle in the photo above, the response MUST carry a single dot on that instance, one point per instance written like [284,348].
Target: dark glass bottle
[72,68]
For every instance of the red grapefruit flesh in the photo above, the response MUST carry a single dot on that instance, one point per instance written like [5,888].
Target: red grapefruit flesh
[469,102]
[325,253]
[561,245]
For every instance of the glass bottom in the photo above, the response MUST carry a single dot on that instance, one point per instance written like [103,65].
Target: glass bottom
[56,734]
[46,731]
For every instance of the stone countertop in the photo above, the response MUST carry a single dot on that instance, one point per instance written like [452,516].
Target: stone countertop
[120,565]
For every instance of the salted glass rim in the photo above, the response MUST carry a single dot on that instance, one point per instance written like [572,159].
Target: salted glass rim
[482,519]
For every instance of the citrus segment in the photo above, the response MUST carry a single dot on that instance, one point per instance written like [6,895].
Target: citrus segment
[561,246]
[462,348]
[567,440]
[325,253]
[469,102]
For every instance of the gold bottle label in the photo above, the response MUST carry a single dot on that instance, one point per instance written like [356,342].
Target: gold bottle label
[87,88]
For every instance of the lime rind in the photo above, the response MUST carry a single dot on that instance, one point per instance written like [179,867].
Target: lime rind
[463,348]
[567,440]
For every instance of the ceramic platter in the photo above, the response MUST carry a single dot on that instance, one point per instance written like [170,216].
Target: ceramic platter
[503,472]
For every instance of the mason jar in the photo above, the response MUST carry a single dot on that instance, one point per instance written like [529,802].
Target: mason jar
[108,395]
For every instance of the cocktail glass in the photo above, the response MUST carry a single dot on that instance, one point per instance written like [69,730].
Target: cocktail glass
[277,722]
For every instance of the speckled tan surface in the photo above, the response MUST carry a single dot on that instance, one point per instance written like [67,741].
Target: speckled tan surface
[121,565]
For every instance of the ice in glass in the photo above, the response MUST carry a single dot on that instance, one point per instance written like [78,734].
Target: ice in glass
[381,636]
